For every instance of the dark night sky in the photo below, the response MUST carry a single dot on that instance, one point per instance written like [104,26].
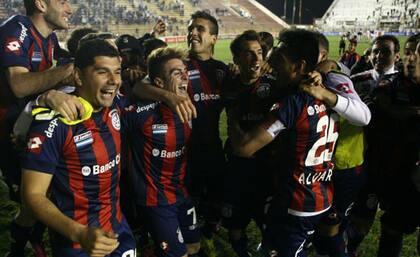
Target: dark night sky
[311,9]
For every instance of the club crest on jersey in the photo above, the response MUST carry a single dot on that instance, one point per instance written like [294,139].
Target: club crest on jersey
[115,119]
[193,74]
[316,109]
[159,128]
[263,91]
[83,139]
[35,142]
[36,57]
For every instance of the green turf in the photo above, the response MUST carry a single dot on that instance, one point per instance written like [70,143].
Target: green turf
[220,247]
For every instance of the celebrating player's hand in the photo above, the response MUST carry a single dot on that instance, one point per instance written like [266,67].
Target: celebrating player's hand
[182,106]
[312,85]
[67,105]
[159,28]
[265,68]
[98,243]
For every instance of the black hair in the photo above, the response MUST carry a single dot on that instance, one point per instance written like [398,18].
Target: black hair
[301,45]
[267,42]
[413,39]
[86,53]
[323,41]
[152,44]
[214,28]
[30,6]
[76,35]
[389,38]
[96,35]
[237,44]
[159,57]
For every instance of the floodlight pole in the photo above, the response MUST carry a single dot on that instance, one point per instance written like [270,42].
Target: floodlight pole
[294,10]
[285,9]
[300,11]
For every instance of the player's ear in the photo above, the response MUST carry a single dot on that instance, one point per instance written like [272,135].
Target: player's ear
[77,77]
[300,67]
[158,82]
[41,5]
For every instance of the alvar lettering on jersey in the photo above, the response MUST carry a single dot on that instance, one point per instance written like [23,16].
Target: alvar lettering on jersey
[314,129]
[84,160]
[158,141]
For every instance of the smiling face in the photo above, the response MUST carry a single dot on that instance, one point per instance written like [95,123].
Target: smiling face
[57,14]
[200,40]
[383,55]
[175,77]
[99,82]
[249,60]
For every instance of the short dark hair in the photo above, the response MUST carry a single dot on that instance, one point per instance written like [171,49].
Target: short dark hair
[86,53]
[413,39]
[29,6]
[159,57]
[214,28]
[389,38]
[323,41]
[152,44]
[301,45]
[237,44]
[76,35]
[267,41]
[96,35]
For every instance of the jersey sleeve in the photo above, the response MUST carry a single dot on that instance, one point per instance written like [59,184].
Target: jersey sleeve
[349,105]
[15,43]
[45,146]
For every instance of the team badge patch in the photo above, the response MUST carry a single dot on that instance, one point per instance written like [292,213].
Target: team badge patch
[263,90]
[220,75]
[35,143]
[115,119]
[83,139]
[159,128]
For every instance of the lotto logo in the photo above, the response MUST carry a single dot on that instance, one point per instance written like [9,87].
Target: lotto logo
[35,143]
[13,46]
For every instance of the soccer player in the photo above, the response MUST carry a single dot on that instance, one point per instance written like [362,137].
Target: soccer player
[159,142]
[347,177]
[206,159]
[81,164]
[248,97]
[27,47]
[306,195]
[385,52]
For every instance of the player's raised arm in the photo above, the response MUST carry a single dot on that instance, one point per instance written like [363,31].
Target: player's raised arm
[24,83]
[181,105]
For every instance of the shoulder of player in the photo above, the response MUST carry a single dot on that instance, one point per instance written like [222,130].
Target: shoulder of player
[142,107]
[362,76]
[17,26]
[49,127]
[335,78]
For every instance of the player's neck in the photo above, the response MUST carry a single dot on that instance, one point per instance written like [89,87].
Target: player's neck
[201,56]
[41,25]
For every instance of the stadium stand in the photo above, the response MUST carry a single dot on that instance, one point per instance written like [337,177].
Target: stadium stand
[137,16]
[386,15]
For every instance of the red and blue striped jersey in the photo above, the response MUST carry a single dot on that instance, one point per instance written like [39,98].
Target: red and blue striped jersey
[313,132]
[205,83]
[158,141]
[84,160]
[20,45]
[249,103]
